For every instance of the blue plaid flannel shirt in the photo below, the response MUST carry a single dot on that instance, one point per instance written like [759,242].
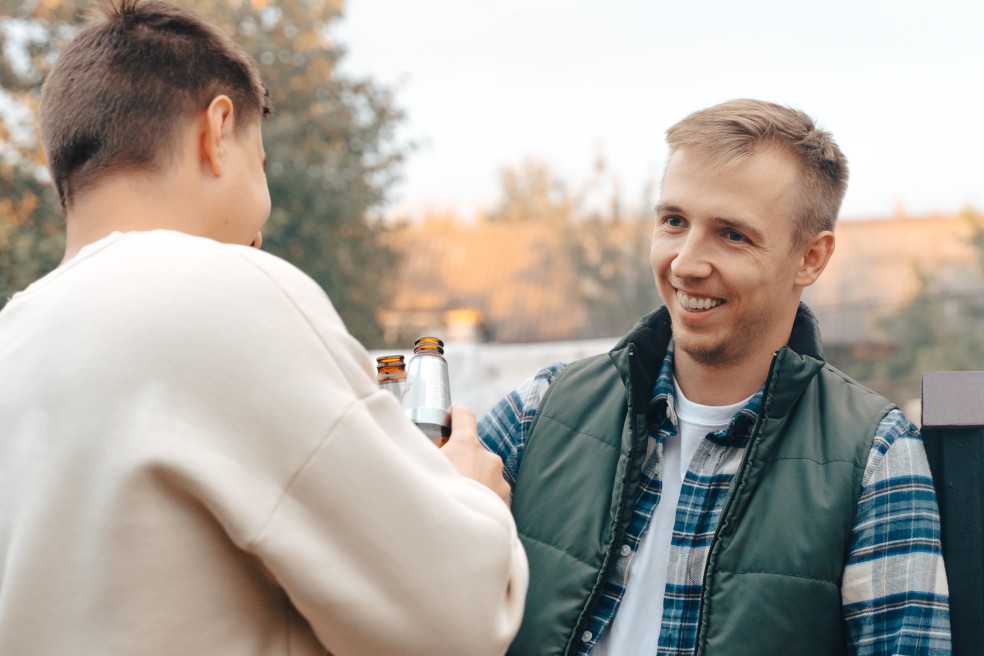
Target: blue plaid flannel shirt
[894,591]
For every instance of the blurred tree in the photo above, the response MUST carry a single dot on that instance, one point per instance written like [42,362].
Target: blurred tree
[31,227]
[609,256]
[332,152]
[939,329]
[599,254]
[32,239]
[530,192]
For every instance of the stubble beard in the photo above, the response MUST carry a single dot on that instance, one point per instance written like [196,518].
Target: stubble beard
[719,351]
[711,355]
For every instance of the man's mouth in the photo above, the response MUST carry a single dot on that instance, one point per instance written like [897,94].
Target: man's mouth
[696,302]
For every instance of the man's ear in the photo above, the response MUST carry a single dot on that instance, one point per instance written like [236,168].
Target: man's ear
[216,129]
[816,254]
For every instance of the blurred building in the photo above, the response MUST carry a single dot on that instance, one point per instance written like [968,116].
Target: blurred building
[501,282]
[509,283]
[876,268]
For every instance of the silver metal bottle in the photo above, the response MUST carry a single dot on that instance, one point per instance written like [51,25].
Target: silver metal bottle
[427,395]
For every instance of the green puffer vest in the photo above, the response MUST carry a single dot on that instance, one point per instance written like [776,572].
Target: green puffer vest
[772,581]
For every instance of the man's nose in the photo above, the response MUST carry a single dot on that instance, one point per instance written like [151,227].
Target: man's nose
[693,258]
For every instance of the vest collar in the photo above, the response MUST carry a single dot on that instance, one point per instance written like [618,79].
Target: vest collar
[793,365]
[651,336]
[805,336]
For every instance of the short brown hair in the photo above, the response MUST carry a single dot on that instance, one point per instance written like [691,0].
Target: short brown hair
[733,131]
[127,83]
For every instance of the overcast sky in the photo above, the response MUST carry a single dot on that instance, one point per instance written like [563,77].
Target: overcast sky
[486,84]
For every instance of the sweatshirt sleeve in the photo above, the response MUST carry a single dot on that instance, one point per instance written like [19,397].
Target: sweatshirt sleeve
[387,551]
[375,538]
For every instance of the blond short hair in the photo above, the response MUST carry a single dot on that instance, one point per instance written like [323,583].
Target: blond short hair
[735,130]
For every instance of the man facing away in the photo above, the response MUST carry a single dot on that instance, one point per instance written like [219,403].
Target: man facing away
[711,485]
[194,454]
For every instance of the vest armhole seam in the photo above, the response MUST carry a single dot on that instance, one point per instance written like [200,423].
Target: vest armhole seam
[783,574]
[596,438]
[554,548]
[813,460]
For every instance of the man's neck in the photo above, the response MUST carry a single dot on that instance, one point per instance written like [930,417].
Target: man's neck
[127,204]
[718,385]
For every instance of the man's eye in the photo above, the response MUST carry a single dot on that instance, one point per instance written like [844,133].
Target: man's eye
[674,221]
[733,235]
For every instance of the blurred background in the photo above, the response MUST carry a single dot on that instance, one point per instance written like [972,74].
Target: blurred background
[486,171]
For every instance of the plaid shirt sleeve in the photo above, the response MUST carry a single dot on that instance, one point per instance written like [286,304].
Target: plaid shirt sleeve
[894,591]
[503,430]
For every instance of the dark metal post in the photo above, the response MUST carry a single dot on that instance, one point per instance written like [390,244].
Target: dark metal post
[953,429]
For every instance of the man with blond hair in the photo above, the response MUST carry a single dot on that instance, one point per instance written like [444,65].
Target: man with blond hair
[712,486]
[195,458]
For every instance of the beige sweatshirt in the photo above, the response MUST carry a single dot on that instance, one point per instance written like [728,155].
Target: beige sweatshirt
[195,459]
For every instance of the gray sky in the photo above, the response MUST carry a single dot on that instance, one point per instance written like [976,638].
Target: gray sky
[488,83]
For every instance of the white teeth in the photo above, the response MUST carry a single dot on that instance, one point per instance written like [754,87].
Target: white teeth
[694,303]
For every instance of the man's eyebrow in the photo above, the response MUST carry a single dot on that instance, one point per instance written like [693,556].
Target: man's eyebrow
[668,207]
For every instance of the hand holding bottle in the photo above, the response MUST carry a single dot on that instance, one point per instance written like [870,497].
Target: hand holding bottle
[469,457]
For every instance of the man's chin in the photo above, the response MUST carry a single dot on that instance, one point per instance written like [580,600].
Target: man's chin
[705,353]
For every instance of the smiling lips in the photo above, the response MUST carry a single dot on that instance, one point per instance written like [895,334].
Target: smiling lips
[697,303]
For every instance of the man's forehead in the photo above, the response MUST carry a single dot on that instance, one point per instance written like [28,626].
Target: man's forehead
[715,162]
[767,166]
[756,195]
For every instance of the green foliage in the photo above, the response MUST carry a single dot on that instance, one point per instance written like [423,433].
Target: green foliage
[32,238]
[331,149]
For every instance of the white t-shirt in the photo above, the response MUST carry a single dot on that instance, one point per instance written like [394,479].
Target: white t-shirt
[635,629]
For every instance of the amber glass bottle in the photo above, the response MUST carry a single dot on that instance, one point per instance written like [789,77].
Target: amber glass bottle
[391,374]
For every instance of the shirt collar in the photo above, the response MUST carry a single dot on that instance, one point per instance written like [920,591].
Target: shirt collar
[663,415]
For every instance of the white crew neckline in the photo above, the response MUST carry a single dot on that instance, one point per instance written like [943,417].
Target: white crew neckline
[704,415]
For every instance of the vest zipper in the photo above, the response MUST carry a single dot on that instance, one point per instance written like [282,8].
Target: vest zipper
[618,536]
[728,503]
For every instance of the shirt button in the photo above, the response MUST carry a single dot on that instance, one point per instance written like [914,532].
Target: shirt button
[626,550]
[586,636]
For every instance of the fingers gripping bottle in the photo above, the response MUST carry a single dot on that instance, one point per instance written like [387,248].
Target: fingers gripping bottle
[391,374]
[427,396]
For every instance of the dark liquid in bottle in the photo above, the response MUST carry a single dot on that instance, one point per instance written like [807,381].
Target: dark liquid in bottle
[437,433]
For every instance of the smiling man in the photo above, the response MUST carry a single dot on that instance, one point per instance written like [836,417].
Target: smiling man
[711,485]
